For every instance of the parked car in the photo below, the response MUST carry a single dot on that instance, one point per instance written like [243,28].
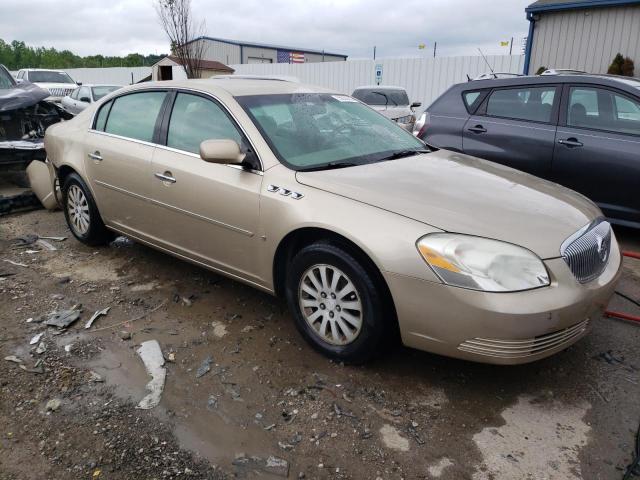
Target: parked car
[24,117]
[582,131]
[310,194]
[57,82]
[85,95]
[392,102]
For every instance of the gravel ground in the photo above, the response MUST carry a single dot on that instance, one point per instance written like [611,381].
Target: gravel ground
[267,406]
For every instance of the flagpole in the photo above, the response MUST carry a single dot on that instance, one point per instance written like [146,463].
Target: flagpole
[511,46]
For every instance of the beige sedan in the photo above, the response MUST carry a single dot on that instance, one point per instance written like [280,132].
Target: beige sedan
[313,196]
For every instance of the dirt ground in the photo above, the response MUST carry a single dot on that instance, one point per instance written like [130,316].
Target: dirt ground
[269,406]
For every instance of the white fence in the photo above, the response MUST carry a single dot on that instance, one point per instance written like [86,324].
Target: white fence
[424,78]
[108,75]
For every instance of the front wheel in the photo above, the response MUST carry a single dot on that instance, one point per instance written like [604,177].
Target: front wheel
[82,214]
[337,303]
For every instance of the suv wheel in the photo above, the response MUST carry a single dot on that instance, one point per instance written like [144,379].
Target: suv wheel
[336,303]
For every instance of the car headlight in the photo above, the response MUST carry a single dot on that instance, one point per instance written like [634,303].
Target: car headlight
[405,119]
[482,264]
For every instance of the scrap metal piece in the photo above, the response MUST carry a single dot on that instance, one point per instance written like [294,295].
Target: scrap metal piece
[36,338]
[151,356]
[63,318]
[97,314]
[204,367]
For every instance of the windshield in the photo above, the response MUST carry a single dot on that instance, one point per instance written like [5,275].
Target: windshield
[47,76]
[382,96]
[99,92]
[313,131]
[6,81]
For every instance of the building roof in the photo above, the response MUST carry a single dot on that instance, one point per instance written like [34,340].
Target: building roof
[268,45]
[555,5]
[207,64]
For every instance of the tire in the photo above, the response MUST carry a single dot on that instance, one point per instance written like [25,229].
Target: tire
[82,214]
[346,322]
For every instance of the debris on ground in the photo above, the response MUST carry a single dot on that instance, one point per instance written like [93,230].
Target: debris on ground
[53,405]
[15,264]
[204,367]
[270,465]
[12,358]
[97,314]
[63,318]
[36,338]
[219,329]
[151,356]
[42,347]
[125,335]
[392,438]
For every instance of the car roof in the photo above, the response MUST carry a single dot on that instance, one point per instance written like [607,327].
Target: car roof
[42,70]
[238,87]
[378,87]
[597,79]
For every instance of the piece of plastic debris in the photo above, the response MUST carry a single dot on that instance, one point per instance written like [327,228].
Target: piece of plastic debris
[46,245]
[15,264]
[219,329]
[37,368]
[68,347]
[95,377]
[55,239]
[42,347]
[171,357]
[151,356]
[98,313]
[124,335]
[12,358]
[36,338]
[204,367]
[63,318]
[53,405]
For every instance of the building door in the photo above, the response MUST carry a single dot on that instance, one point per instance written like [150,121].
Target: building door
[166,72]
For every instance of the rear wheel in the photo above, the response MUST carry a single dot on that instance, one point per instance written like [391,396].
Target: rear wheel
[82,214]
[337,303]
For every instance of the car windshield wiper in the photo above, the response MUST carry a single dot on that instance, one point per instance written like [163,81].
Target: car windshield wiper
[330,166]
[403,153]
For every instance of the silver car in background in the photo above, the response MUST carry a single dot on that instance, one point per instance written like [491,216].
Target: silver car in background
[392,102]
[57,82]
[85,95]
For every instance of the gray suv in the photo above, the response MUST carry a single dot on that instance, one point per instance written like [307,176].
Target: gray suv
[582,131]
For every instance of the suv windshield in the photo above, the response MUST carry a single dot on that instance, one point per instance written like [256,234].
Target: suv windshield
[309,131]
[6,81]
[382,96]
[47,76]
[101,91]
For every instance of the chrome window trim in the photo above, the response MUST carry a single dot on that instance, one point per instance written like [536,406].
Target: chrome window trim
[178,89]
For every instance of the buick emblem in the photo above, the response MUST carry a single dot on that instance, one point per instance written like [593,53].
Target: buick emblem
[603,251]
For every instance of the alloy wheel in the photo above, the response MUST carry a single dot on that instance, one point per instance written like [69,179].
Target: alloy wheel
[78,210]
[330,303]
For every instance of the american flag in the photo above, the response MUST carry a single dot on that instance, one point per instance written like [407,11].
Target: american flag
[286,56]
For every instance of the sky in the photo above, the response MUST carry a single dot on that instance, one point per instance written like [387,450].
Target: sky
[351,27]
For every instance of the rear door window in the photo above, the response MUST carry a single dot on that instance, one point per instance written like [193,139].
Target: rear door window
[195,119]
[101,118]
[134,115]
[528,103]
[601,109]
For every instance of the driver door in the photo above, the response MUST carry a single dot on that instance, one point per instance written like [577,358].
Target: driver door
[207,212]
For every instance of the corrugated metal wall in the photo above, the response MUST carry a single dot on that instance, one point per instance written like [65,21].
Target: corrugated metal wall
[424,78]
[586,39]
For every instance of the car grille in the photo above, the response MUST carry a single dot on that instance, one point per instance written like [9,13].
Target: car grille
[60,92]
[491,347]
[587,251]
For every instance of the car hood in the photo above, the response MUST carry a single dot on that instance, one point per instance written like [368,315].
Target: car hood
[21,96]
[463,194]
[392,111]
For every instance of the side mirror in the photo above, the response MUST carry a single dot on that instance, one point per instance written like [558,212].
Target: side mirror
[19,80]
[416,104]
[221,151]
[79,83]
[85,99]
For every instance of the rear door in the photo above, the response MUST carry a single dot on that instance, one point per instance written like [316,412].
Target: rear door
[598,148]
[118,152]
[515,126]
[208,212]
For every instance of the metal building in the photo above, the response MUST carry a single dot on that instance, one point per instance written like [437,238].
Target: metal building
[231,52]
[582,34]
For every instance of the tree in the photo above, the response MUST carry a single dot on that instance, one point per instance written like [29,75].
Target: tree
[621,66]
[541,70]
[183,32]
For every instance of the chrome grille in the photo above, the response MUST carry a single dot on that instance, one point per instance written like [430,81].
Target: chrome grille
[492,347]
[60,92]
[587,251]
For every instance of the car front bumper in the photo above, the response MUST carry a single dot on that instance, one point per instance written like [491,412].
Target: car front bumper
[502,328]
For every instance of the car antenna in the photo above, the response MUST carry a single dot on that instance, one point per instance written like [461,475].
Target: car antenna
[487,62]
[468,78]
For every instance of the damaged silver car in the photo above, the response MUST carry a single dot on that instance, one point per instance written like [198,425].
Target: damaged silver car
[24,117]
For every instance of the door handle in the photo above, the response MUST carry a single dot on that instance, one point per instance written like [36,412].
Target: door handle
[95,156]
[477,129]
[165,177]
[570,142]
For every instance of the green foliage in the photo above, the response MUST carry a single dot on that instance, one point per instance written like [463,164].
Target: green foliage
[17,55]
[621,66]
[541,70]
